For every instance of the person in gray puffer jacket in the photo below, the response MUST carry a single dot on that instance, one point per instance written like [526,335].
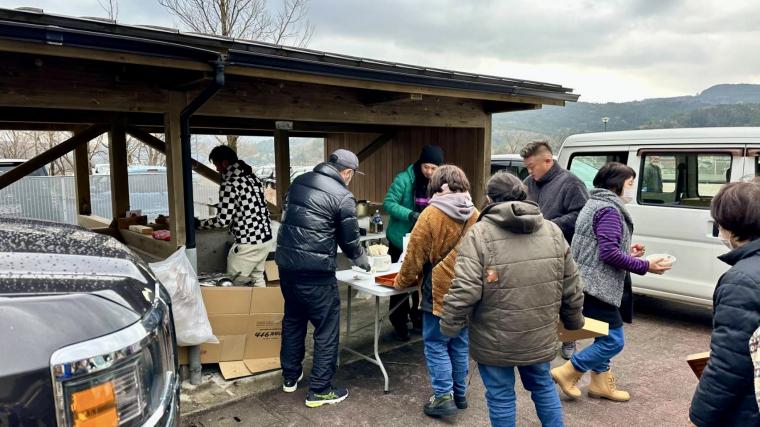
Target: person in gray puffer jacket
[515,278]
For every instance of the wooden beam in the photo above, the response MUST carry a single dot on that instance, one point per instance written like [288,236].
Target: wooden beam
[375,145]
[177,101]
[491,107]
[282,164]
[117,156]
[104,55]
[48,156]
[393,87]
[160,146]
[372,98]
[82,180]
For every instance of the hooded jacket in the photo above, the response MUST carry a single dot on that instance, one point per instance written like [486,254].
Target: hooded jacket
[515,278]
[399,203]
[725,394]
[319,215]
[433,241]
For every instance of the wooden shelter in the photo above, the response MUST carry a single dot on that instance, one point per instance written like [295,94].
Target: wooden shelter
[93,76]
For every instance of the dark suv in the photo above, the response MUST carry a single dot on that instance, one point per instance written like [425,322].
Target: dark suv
[86,330]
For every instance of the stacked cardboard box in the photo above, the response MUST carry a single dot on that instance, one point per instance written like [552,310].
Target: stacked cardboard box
[248,323]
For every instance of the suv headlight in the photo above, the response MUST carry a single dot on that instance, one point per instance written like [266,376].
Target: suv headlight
[119,379]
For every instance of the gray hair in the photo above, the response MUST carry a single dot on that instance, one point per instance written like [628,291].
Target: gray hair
[505,187]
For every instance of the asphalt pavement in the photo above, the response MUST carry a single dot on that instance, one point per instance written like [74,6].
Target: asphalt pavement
[652,368]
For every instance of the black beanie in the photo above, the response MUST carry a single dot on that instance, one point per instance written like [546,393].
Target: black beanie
[431,154]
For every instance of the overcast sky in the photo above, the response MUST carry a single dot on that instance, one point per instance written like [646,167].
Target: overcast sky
[610,50]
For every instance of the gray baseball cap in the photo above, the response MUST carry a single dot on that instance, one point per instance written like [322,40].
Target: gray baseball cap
[345,159]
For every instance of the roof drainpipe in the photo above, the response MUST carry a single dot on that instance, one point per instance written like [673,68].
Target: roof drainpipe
[187,187]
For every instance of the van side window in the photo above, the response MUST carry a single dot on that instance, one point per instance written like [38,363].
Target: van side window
[682,179]
[757,165]
[586,165]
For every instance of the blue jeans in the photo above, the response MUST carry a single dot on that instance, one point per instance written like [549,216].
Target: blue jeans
[447,358]
[596,357]
[500,393]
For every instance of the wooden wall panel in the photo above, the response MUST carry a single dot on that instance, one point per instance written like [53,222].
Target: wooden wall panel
[460,147]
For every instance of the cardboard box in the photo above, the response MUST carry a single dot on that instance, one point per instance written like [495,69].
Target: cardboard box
[248,323]
[267,300]
[226,300]
[697,362]
[141,229]
[592,328]
[271,272]
[264,336]
[229,324]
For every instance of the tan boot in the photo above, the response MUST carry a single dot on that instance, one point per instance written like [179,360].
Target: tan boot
[566,378]
[603,386]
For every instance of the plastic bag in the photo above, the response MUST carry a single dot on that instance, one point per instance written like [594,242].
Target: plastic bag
[190,320]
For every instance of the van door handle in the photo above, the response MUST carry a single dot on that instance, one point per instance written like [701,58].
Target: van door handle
[715,230]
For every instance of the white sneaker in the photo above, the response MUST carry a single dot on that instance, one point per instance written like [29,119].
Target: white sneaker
[289,386]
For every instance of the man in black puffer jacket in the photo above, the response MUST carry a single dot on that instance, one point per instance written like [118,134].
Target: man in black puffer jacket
[725,395]
[320,214]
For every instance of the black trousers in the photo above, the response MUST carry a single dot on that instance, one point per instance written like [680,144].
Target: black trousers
[320,305]
[404,313]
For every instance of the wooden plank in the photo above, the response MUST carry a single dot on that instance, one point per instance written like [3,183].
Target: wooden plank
[158,248]
[48,156]
[117,156]
[63,85]
[82,178]
[93,221]
[313,103]
[174,169]
[394,87]
[375,145]
[282,164]
[160,146]
[491,107]
[101,55]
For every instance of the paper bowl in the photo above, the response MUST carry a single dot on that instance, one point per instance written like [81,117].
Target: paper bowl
[670,259]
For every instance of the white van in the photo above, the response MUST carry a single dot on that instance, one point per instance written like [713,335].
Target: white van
[678,172]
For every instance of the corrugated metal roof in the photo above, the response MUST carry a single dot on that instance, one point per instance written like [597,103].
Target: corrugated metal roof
[35,26]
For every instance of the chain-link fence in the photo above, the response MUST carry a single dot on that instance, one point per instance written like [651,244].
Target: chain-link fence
[53,198]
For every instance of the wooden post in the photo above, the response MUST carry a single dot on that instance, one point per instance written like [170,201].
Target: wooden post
[82,178]
[117,155]
[482,163]
[174,168]
[282,164]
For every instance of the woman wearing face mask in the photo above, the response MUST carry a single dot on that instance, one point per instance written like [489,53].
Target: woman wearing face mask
[604,254]
[725,394]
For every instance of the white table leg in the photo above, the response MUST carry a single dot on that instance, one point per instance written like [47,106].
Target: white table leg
[377,338]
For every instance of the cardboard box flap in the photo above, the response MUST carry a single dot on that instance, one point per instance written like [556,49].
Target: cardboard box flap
[592,328]
[232,370]
[262,365]
[697,362]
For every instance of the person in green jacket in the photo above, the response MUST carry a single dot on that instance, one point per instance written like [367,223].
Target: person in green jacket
[406,198]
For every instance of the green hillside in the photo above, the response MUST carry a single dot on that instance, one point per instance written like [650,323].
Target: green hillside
[720,105]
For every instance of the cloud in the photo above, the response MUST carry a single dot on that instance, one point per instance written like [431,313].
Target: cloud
[610,50]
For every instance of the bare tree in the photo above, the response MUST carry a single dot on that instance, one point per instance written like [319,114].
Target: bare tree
[246,19]
[111,8]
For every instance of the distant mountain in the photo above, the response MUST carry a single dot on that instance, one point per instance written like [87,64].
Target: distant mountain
[720,105]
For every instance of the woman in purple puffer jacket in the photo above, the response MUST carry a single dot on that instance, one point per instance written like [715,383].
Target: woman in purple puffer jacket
[603,251]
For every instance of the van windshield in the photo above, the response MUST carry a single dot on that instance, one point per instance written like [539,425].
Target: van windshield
[5,167]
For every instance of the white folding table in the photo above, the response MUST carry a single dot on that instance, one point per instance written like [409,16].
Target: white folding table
[366,283]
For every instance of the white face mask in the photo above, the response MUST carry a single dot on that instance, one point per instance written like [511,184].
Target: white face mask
[726,241]
[629,194]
